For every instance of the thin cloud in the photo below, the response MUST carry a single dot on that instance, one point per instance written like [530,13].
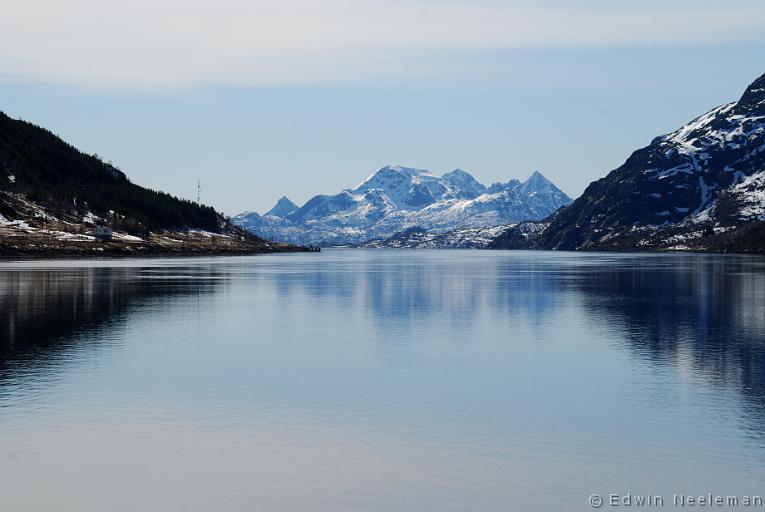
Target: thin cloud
[141,43]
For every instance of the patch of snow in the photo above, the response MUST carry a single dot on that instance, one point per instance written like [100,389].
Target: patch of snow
[683,135]
[685,168]
[20,224]
[126,238]
[90,218]
[63,235]
[750,193]
[204,233]
[702,217]
[705,194]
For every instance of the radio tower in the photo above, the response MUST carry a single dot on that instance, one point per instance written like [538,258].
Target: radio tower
[199,192]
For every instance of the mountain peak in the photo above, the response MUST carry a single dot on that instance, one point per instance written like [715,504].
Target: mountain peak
[400,169]
[537,179]
[463,184]
[387,174]
[282,208]
[538,184]
[458,173]
[754,94]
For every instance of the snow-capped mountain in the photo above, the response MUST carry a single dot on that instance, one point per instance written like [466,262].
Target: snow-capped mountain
[396,198]
[702,187]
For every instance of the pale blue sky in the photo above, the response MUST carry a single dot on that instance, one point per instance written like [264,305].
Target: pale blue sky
[298,98]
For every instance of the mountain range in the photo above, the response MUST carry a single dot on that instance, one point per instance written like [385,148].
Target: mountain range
[397,198]
[700,187]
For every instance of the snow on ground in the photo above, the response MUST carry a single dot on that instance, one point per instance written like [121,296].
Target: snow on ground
[89,218]
[751,195]
[207,234]
[125,237]
[63,235]
[683,135]
[20,224]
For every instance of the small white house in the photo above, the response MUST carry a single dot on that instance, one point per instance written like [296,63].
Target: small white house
[102,233]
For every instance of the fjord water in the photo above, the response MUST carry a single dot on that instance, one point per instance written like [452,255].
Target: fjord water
[380,380]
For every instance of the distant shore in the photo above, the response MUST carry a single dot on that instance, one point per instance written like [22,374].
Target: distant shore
[18,242]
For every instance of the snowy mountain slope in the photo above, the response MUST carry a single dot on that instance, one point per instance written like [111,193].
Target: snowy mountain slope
[418,238]
[396,198]
[688,189]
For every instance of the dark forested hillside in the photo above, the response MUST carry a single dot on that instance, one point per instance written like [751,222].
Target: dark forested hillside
[47,170]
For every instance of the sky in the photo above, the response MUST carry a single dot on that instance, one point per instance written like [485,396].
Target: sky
[262,98]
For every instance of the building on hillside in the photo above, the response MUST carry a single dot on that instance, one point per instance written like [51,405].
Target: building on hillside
[102,233]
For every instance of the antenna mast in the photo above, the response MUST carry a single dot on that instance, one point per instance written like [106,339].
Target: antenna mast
[199,192]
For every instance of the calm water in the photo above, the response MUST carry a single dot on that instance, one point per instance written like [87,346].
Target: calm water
[357,380]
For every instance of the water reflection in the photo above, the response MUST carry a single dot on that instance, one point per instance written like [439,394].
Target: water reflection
[699,313]
[427,284]
[46,312]
[368,380]
[705,314]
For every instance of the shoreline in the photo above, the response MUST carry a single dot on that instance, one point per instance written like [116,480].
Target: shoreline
[32,255]
[36,245]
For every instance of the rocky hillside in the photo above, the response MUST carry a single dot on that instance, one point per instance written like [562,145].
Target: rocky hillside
[700,187]
[396,198]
